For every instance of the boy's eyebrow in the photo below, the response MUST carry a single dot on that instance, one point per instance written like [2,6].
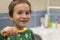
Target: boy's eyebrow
[24,10]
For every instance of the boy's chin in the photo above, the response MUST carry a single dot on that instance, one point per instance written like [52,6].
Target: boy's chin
[22,25]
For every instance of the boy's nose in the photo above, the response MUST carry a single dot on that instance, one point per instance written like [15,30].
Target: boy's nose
[24,15]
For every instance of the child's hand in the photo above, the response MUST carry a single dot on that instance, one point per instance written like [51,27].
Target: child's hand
[9,31]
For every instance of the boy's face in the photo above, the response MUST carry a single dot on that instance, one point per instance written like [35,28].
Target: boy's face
[21,15]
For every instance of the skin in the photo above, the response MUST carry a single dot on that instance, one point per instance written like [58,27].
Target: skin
[20,18]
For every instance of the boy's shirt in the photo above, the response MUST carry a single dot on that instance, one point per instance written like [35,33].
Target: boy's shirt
[25,34]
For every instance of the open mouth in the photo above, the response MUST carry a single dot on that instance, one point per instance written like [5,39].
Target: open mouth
[24,20]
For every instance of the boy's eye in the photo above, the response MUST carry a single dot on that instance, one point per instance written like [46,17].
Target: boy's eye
[20,12]
[27,12]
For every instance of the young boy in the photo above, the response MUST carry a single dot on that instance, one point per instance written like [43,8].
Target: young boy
[19,13]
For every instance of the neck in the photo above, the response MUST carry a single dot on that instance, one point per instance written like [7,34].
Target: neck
[18,27]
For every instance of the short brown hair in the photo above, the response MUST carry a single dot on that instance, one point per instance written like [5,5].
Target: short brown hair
[15,2]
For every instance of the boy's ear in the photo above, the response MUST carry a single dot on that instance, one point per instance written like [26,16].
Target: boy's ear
[10,18]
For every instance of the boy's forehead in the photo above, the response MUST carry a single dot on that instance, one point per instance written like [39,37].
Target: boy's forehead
[22,6]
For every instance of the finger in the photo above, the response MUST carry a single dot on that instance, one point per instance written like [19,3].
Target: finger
[14,32]
[10,32]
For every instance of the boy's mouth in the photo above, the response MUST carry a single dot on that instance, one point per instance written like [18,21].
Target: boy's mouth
[24,20]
